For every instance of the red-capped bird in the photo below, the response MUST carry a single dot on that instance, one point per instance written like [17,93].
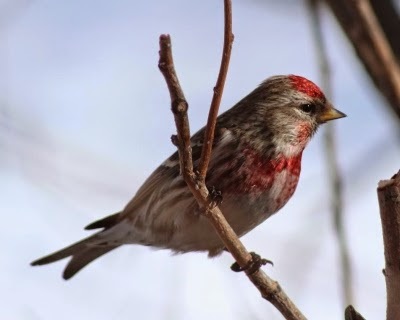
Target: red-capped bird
[255,163]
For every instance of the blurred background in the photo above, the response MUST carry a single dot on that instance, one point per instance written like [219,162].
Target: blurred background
[85,118]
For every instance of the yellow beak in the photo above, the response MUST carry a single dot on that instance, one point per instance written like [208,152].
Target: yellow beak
[329,114]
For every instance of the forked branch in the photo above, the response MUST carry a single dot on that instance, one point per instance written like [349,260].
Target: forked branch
[269,289]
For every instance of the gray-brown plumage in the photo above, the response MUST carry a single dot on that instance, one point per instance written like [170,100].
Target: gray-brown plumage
[255,163]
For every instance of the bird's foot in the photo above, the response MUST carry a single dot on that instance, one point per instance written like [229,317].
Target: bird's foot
[215,197]
[254,264]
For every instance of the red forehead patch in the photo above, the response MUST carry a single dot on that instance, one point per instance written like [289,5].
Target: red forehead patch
[306,86]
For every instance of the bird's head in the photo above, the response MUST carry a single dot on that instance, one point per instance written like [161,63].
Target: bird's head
[286,110]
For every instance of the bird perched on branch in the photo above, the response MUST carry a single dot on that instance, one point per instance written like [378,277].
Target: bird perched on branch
[255,164]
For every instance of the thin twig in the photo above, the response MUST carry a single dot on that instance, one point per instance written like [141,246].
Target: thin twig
[218,90]
[331,158]
[268,288]
[179,106]
[389,204]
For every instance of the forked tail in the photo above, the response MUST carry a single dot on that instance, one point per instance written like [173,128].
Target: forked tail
[84,251]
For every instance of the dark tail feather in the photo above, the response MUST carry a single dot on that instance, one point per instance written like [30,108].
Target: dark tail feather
[106,222]
[83,258]
[66,252]
[82,252]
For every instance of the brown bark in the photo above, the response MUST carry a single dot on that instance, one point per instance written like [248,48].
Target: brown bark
[389,204]
[217,96]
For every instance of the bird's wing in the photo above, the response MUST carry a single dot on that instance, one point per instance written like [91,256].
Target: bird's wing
[163,175]
[169,170]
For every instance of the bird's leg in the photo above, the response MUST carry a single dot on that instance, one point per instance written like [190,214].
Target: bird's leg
[254,264]
[215,197]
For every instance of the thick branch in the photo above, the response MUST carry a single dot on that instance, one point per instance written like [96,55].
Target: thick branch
[361,26]
[268,288]
[389,204]
[218,89]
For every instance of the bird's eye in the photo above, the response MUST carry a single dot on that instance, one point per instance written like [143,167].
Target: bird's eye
[308,108]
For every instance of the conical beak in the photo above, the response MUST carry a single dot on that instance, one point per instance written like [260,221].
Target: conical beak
[329,114]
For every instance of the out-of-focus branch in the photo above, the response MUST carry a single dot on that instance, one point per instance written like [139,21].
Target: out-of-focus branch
[389,204]
[389,20]
[363,30]
[269,289]
[335,178]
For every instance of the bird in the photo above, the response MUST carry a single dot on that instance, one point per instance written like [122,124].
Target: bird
[255,164]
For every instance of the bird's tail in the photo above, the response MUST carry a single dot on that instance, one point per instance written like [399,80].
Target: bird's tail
[84,251]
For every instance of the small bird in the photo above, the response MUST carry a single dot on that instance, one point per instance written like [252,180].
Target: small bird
[255,164]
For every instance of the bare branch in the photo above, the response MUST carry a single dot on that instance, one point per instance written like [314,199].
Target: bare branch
[389,204]
[361,26]
[218,90]
[179,105]
[389,19]
[335,178]
[197,187]
[268,288]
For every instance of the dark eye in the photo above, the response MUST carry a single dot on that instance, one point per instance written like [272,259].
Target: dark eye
[308,108]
